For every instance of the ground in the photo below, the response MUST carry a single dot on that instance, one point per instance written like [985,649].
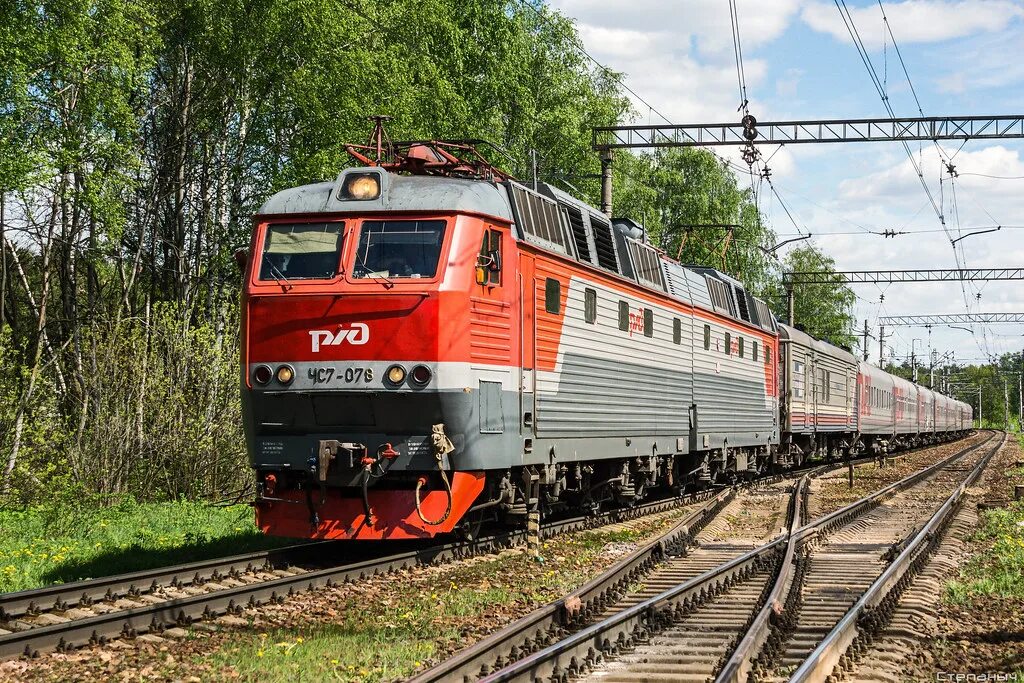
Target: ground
[378,629]
[386,628]
[981,622]
[71,540]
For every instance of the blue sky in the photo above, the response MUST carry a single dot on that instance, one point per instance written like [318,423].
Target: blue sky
[963,58]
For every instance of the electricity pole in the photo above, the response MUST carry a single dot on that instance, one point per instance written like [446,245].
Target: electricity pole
[1006,405]
[881,344]
[1020,397]
[865,346]
[790,304]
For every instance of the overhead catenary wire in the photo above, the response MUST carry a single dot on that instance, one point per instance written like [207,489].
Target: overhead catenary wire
[862,52]
[865,58]
[583,50]
[737,47]
[889,233]
[618,78]
[994,177]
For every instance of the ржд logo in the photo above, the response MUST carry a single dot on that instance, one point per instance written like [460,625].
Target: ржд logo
[357,335]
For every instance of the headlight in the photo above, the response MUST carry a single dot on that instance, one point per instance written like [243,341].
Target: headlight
[396,374]
[285,374]
[361,186]
[262,374]
[421,375]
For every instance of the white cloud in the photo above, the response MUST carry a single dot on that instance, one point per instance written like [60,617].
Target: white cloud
[985,62]
[701,22]
[888,197]
[679,56]
[914,21]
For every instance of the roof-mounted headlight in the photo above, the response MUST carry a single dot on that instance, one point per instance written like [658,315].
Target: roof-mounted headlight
[361,186]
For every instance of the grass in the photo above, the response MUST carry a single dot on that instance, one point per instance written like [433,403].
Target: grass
[65,542]
[390,634]
[998,571]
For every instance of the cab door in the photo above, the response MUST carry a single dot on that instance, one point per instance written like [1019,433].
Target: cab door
[493,339]
[527,343]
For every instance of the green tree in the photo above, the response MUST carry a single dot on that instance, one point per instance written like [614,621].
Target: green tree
[824,311]
[673,190]
[138,137]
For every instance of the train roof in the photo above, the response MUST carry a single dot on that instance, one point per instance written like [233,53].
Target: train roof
[793,334]
[397,193]
[546,217]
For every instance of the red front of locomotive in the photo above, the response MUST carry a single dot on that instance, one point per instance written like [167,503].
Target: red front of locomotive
[356,355]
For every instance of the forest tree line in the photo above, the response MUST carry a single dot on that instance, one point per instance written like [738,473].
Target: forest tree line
[138,137]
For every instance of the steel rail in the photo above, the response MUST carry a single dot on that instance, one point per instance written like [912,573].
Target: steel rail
[88,591]
[587,648]
[182,611]
[531,631]
[739,665]
[875,606]
[98,629]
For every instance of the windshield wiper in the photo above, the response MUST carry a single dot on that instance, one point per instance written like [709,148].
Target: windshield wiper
[277,274]
[383,279]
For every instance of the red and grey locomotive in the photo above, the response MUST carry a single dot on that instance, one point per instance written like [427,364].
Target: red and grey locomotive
[426,341]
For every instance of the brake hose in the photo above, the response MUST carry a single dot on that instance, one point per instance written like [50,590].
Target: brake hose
[448,492]
[366,495]
[442,446]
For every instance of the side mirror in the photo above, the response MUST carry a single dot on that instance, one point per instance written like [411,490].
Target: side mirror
[242,258]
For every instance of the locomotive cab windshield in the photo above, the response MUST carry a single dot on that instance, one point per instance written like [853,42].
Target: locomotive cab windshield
[398,249]
[301,251]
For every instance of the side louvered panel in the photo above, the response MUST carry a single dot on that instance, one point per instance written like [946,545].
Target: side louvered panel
[579,232]
[604,243]
[490,331]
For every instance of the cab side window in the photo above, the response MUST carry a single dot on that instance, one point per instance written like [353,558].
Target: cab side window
[488,263]
[552,296]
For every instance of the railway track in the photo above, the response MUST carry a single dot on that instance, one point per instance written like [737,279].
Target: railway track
[69,616]
[73,615]
[800,604]
[704,539]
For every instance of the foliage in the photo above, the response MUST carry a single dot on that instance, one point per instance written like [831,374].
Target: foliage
[824,311]
[999,571]
[159,416]
[673,190]
[137,138]
[74,537]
